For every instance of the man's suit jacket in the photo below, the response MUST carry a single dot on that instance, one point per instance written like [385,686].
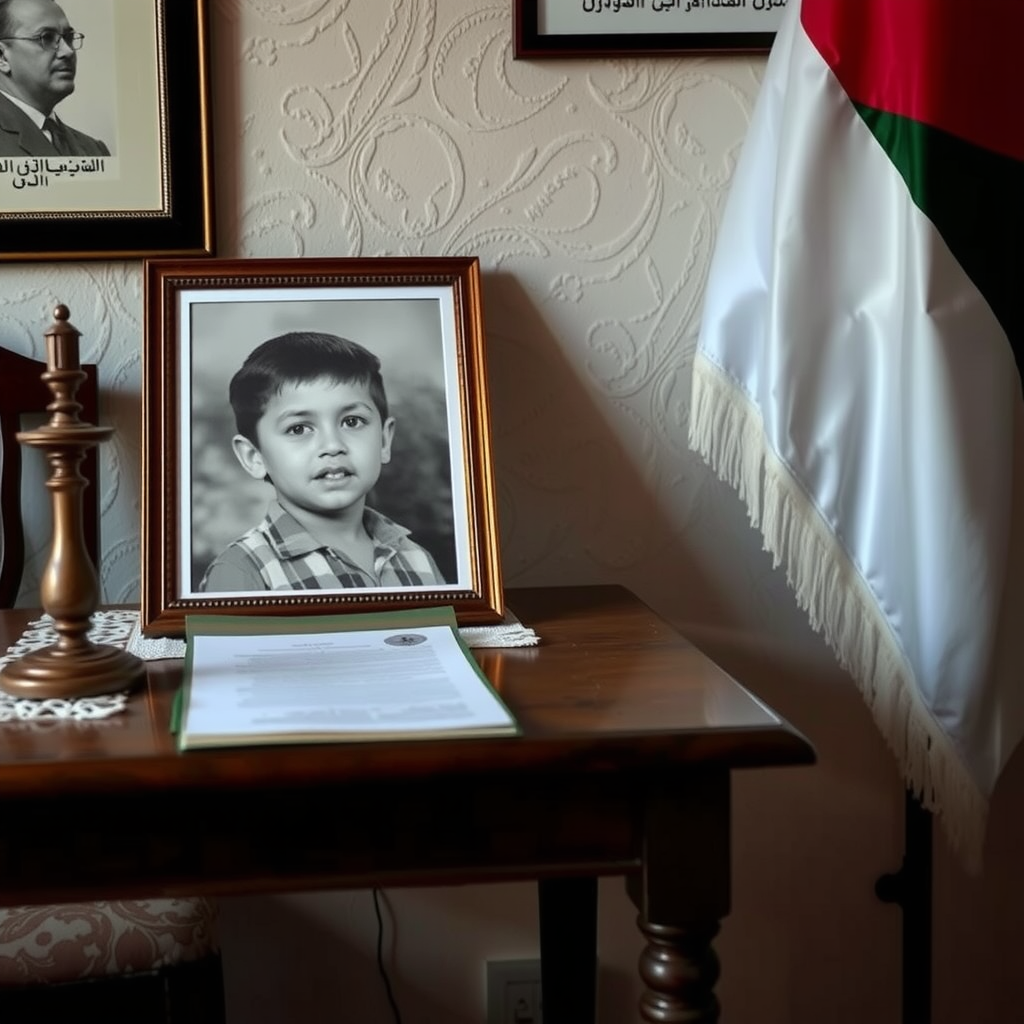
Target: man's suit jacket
[20,137]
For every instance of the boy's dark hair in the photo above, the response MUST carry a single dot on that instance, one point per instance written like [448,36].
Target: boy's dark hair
[295,358]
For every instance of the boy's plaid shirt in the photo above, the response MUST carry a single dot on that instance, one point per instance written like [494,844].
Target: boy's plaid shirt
[287,557]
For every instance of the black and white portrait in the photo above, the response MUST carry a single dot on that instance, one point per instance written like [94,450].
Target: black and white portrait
[273,476]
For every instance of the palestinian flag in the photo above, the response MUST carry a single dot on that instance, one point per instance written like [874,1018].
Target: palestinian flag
[857,377]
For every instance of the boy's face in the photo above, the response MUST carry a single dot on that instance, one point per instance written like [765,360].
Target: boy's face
[322,443]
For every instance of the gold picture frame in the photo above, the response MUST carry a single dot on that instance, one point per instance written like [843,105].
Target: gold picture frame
[422,318]
[135,179]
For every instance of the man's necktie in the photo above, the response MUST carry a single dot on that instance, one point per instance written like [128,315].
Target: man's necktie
[57,136]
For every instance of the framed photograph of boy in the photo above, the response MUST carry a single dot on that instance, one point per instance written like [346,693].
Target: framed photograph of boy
[316,439]
[105,131]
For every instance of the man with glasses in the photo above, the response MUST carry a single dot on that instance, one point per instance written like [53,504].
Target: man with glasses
[38,61]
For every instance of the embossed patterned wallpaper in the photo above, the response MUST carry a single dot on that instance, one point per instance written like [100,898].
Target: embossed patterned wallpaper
[591,191]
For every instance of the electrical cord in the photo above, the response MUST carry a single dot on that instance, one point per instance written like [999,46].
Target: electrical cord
[382,970]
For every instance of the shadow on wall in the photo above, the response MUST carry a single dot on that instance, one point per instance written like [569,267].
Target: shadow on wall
[574,507]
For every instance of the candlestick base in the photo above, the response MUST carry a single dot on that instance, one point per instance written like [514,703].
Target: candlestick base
[88,671]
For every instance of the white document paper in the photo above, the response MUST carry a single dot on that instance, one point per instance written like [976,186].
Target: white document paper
[351,685]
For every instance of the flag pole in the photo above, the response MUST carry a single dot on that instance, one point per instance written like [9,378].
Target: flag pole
[911,889]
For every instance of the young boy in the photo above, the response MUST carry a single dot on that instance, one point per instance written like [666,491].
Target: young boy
[312,420]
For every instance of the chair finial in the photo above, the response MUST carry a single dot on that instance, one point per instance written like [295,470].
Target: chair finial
[62,341]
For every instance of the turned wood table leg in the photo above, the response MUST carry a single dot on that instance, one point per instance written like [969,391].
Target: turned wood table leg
[682,893]
[679,967]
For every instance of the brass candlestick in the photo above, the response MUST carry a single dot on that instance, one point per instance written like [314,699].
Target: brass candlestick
[74,666]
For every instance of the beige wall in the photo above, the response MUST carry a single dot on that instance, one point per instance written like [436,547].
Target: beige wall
[591,192]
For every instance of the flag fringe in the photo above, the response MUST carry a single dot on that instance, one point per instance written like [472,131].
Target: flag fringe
[726,429]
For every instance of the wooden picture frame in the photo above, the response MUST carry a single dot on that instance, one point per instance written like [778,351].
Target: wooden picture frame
[204,487]
[643,28]
[137,177]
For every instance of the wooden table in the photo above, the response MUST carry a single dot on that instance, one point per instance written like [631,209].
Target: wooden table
[623,768]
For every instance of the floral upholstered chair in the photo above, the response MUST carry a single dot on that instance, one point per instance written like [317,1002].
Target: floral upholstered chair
[139,961]
[153,961]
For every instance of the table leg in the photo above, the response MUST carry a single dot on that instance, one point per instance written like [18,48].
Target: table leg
[682,893]
[568,949]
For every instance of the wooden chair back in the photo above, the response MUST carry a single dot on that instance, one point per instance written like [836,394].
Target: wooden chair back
[23,393]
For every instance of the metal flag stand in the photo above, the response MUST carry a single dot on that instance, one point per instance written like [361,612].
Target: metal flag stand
[911,889]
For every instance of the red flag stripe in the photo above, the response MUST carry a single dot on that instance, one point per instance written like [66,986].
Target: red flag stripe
[954,66]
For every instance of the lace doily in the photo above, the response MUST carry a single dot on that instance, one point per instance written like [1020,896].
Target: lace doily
[509,633]
[108,627]
[121,628]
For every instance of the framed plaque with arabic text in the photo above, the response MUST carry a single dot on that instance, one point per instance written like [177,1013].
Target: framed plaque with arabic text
[622,28]
[118,165]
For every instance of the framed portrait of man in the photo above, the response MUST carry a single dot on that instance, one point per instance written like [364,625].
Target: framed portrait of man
[316,439]
[104,110]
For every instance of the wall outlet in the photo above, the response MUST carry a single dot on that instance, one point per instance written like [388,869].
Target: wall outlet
[513,992]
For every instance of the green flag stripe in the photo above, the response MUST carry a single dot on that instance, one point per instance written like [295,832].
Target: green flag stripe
[975,199]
